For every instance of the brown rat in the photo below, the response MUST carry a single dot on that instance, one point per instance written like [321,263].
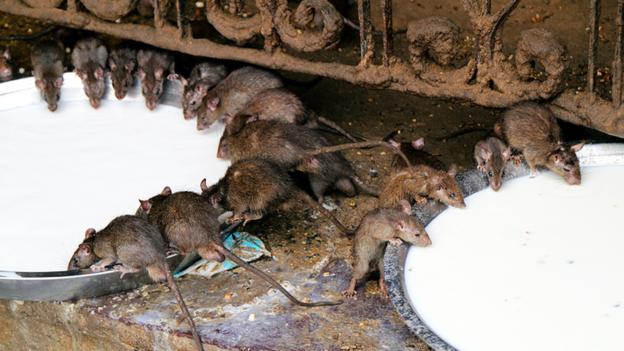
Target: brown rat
[491,156]
[533,130]
[153,68]
[6,70]
[122,63]
[189,222]
[419,183]
[47,61]
[203,77]
[414,151]
[281,104]
[288,145]
[233,92]
[89,59]
[134,244]
[254,187]
[378,228]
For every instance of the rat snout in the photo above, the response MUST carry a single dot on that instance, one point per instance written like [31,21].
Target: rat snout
[120,94]
[496,184]
[574,180]
[460,204]
[95,103]
[151,104]
[6,73]
[52,106]
[425,240]
[201,125]
[221,154]
[188,114]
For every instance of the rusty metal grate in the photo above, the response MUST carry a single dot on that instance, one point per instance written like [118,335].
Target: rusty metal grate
[488,78]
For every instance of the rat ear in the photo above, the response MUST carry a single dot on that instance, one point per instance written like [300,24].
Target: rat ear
[507,153]
[141,73]
[58,82]
[405,207]
[203,185]
[577,147]
[419,143]
[252,118]
[213,103]
[112,65]
[99,73]
[145,205]
[158,73]
[556,158]
[84,249]
[313,163]
[201,88]
[452,170]
[6,54]
[227,118]
[39,83]
[394,143]
[399,225]
[485,153]
[166,191]
[89,233]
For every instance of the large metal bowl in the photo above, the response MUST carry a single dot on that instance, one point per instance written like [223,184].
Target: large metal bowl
[66,285]
[470,182]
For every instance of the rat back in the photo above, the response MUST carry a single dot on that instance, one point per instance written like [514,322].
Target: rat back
[186,219]
[276,104]
[530,128]
[242,85]
[256,185]
[207,72]
[87,51]
[47,58]
[132,240]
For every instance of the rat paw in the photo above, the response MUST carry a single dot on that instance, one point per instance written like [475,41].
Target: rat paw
[421,200]
[172,251]
[97,268]
[350,294]
[395,241]
[233,219]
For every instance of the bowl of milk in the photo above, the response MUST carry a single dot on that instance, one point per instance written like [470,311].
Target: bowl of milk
[65,171]
[537,265]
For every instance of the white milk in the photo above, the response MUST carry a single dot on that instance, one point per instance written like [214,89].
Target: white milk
[63,172]
[537,266]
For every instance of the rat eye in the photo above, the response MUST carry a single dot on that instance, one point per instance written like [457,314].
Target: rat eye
[490,174]
[566,169]
[440,188]
[503,174]
[193,103]
[452,195]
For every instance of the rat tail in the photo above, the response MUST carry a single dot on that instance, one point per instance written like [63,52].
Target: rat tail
[359,145]
[232,257]
[333,125]
[176,291]
[315,205]
[363,187]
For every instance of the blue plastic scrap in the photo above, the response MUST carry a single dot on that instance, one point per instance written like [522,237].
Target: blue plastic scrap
[244,245]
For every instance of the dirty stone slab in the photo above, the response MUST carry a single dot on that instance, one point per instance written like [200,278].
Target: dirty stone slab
[232,312]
